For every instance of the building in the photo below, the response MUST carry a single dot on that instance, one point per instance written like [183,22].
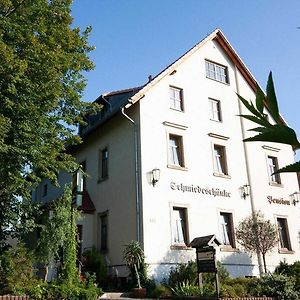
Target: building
[184,125]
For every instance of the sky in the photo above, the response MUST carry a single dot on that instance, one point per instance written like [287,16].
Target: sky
[137,38]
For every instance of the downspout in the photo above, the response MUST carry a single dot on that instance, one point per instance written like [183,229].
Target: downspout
[136,178]
[259,259]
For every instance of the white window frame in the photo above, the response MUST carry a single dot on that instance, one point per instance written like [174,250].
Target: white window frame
[179,229]
[220,160]
[215,110]
[176,152]
[284,243]
[272,163]
[176,98]
[216,71]
[227,229]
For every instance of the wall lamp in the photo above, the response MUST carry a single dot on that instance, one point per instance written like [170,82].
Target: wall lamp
[295,198]
[155,176]
[245,190]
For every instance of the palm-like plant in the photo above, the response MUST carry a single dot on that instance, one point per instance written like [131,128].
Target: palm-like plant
[134,256]
[278,132]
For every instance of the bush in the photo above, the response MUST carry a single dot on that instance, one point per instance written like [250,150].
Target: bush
[94,262]
[161,291]
[86,290]
[242,286]
[186,289]
[188,273]
[290,270]
[16,271]
[183,273]
[276,285]
[235,290]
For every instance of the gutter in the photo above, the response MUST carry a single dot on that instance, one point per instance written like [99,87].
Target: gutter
[136,177]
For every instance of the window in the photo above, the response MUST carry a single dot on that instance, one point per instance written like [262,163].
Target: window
[103,164]
[179,230]
[176,150]
[79,242]
[220,165]
[227,229]
[83,168]
[176,98]
[216,72]
[273,167]
[284,239]
[104,232]
[215,110]
[45,190]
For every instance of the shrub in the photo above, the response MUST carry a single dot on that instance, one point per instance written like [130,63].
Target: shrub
[227,291]
[16,270]
[276,285]
[183,273]
[290,270]
[86,290]
[161,291]
[186,289]
[94,261]
[242,286]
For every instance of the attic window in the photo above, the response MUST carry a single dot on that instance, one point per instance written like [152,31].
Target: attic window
[216,72]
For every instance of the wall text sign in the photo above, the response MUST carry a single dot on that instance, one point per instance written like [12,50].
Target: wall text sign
[278,201]
[215,192]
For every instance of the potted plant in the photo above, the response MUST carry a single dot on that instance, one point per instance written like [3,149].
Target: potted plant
[134,256]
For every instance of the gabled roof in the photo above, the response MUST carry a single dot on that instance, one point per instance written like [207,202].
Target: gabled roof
[125,98]
[217,36]
[205,241]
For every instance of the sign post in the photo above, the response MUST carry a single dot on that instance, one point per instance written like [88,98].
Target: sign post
[206,258]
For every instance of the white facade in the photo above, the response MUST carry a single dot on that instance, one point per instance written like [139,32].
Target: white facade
[186,125]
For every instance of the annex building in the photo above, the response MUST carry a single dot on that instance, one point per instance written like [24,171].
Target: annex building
[167,163]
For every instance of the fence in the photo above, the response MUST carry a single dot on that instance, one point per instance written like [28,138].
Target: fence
[9,297]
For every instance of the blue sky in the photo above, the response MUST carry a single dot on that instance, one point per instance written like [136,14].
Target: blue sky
[136,38]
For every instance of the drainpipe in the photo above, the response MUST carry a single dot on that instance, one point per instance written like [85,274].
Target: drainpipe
[259,259]
[136,178]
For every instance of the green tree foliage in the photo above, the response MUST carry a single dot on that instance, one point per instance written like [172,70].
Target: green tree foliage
[278,132]
[256,234]
[59,231]
[16,270]
[42,59]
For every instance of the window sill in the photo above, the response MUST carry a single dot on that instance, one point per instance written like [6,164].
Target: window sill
[217,121]
[228,248]
[175,109]
[222,175]
[180,247]
[226,83]
[285,251]
[177,167]
[276,184]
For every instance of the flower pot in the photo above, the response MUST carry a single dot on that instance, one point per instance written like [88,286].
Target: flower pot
[139,292]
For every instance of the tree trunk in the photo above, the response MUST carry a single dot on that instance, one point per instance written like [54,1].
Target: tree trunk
[264,260]
[137,276]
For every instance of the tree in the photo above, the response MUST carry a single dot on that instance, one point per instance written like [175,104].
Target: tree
[256,234]
[133,255]
[42,59]
[278,132]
